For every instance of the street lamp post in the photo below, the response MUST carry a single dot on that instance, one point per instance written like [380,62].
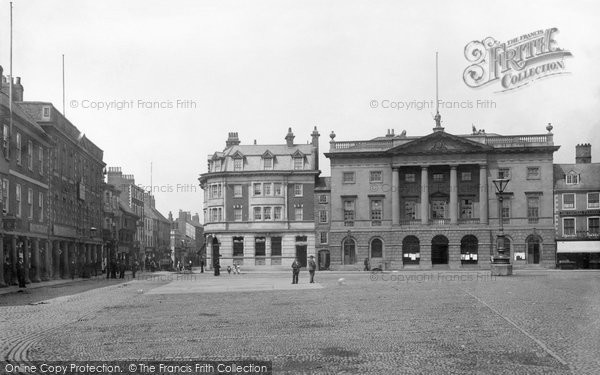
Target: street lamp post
[501,263]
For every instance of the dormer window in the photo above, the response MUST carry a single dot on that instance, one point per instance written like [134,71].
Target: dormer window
[268,164]
[238,164]
[217,165]
[572,178]
[298,160]
[268,159]
[298,163]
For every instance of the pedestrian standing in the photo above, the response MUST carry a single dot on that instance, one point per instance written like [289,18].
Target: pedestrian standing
[312,266]
[295,271]
[122,269]
[8,275]
[201,265]
[134,268]
[367,264]
[21,273]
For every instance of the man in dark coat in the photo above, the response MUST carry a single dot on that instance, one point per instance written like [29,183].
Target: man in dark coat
[122,269]
[21,273]
[312,266]
[202,265]
[295,271]
[73,269]
[134,268]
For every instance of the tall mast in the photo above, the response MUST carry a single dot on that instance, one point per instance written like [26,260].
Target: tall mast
[63,84]
[10,79]
[437,117]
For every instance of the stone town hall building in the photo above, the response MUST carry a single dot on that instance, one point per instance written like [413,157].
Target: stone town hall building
[259,203]
[423,201]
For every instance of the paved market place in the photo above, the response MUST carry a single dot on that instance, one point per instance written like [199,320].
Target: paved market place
[536,322]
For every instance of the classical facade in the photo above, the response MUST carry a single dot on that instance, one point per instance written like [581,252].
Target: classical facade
[428,201]
[577,210]
[259,203]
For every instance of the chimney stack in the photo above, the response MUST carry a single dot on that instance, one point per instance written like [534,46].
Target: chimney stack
[17,88]
[315,146]
[583,153]
[289,138]
[232,140]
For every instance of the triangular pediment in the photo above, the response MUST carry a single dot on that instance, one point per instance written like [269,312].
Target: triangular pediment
[440,143]
[298,154]
[237,155]
[217,156]
[268,155]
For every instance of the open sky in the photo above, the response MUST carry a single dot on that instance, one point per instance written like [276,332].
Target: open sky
[259,67]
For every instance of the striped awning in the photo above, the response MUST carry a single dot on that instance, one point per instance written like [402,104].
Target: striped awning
[578,246]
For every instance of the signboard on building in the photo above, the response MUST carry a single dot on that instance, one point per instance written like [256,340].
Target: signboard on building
[81,191]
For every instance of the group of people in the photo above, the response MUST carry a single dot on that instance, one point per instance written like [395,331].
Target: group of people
[312,267]
[217,268]
[119,266]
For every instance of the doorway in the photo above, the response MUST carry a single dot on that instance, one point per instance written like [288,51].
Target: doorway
[439,250]
[533,250]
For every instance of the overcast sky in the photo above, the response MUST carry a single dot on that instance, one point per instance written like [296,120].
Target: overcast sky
[259,67]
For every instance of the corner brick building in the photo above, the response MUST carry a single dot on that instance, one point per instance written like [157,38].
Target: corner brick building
[577,210]
[259,203]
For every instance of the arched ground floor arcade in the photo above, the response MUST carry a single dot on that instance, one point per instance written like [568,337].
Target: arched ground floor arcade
[438,248]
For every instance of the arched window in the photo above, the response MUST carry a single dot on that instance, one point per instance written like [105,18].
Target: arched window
[376,248]
[349,251]
[411,250]
[468,249]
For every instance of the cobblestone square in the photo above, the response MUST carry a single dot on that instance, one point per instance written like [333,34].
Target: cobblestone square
[430,322]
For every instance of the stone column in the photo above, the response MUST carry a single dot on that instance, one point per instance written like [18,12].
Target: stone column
[65,258]
[2,283]
[47,260]
[14,258]
[454,256]
[395,191]
[424,196]
[56,253]
[26,259]
[268,250]
[99,252]
[425,261]
[35,249]
[453,195]
[483,194]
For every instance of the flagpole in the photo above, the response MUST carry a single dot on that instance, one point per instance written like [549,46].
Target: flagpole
[10,81]
[63,84]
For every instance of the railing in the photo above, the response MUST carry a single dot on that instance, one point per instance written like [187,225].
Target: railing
[345,145]
[468,220]
[518,140]
[439,221]
[410,222]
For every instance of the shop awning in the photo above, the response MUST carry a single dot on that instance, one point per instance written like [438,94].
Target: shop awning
[578,246]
